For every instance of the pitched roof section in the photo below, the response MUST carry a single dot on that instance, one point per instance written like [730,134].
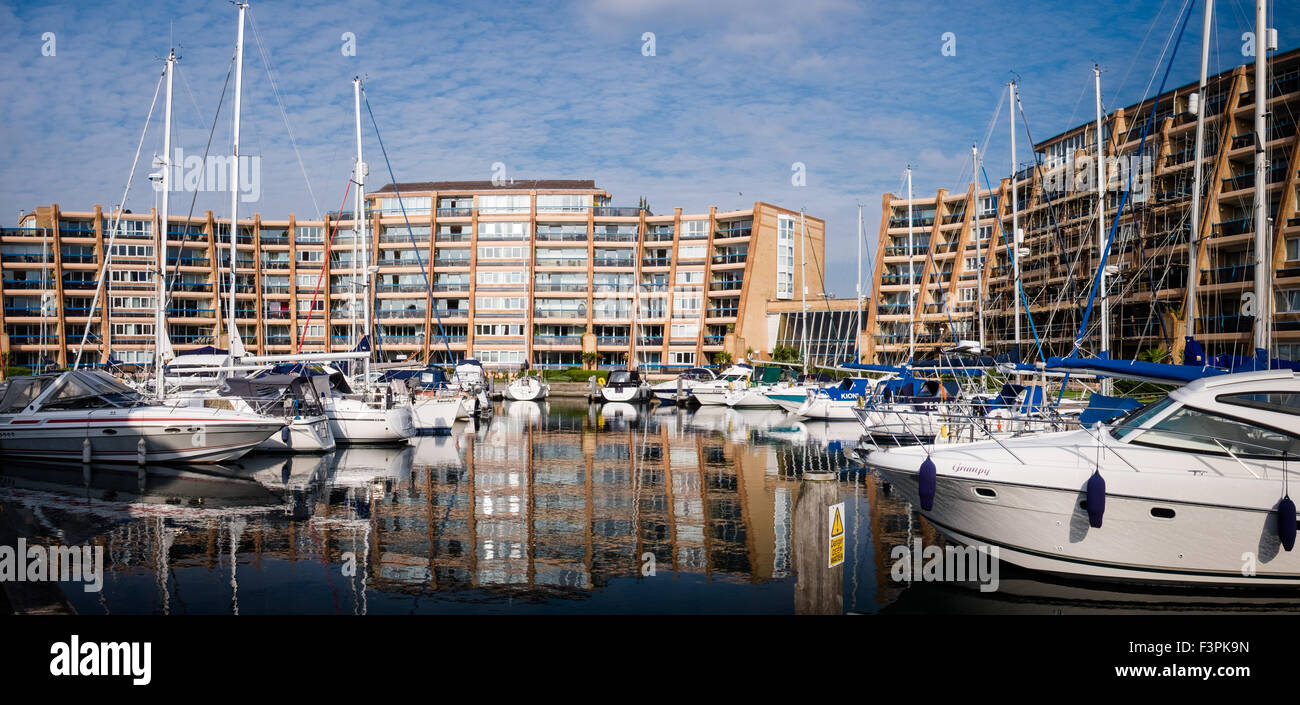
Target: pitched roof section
[515,185]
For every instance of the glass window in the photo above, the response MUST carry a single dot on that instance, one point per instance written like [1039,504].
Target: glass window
[1281,402]
[1193,430]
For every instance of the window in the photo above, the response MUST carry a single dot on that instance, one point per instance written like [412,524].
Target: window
[1281,402]
[1288,301]
[310,233]
[503,204]
[966,295]
[684,331]
[681,358]
[413,205]
[136,228]
[690,276]
[498,329]
[499,357]
[511,276]
[146,302]
[503,231]
[499,303]
[692,229]
[988,205]
[690,252]
[1292,249]
[984,232]
[561,203]
[501,252]
[785,257]
[311,256]
[130,276]
[1197,431]
[128,250]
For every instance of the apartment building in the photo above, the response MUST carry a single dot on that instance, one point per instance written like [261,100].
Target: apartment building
[537,271]
[957,258]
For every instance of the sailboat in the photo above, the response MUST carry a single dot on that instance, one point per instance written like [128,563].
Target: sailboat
[370,415]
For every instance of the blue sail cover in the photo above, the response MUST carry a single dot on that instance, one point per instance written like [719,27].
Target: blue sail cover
[1157,372]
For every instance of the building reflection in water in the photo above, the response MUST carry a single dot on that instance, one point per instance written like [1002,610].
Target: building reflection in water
[546,503]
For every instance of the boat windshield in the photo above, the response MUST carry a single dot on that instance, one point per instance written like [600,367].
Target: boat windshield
[1193,430]
[620,377]
[21,392]
[1127,425]
[83,389]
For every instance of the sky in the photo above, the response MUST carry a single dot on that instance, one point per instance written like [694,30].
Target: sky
[734,97]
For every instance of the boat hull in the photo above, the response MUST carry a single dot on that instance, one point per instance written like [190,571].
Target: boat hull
[434,415]
[1044,528]
[354,422]
[170,435]
[309,434]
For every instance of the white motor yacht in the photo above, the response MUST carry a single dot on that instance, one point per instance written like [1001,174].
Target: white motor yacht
[87,415]
[1190,489]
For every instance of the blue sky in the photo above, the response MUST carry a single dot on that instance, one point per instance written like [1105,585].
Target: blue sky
[737,91]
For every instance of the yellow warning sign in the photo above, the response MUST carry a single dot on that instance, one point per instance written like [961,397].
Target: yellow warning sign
[836,527]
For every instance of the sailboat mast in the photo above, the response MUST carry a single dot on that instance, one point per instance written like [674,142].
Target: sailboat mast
[803,282]
[1101,226]
[979,246]
[857,330]
[160,309]
[232,332]
[1015,219]
[911,275]
[1263,245]
[1192,272]
[359,218]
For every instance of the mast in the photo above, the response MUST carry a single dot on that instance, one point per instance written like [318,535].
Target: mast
[1101,228]
[1192,256]
[803,282]
[236,345]
[857,331]
[160,309]
[1015,220]
[979,246]
[911,276]
[1263,245]
[359,218]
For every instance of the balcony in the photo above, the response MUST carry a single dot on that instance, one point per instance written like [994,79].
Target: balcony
[1230,274]
[727,285]
[418,313]
[721,312]
[1229,323]
[557,340]
[544,236]
[656,261]
[616,212]
[619,340]
[30,259]
[730,258]
[175,312]
[614,262]
[560,262]
[455,212]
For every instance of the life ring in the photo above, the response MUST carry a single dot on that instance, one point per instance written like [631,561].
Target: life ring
[601,381]
[943,431]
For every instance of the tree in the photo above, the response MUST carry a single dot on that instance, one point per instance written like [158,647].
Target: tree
[722,358]
[785,353]
[590,359]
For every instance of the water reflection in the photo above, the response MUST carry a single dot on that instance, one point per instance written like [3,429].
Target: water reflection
[547,507]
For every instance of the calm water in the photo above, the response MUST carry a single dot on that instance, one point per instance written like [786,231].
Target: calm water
[554,507]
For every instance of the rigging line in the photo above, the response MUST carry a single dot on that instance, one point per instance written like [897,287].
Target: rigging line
[195,196]
[1019,286]
[1051,207]
[1123,201]
[284,116]
[325,265]
[117,226]
[1155,20]
[424,272]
